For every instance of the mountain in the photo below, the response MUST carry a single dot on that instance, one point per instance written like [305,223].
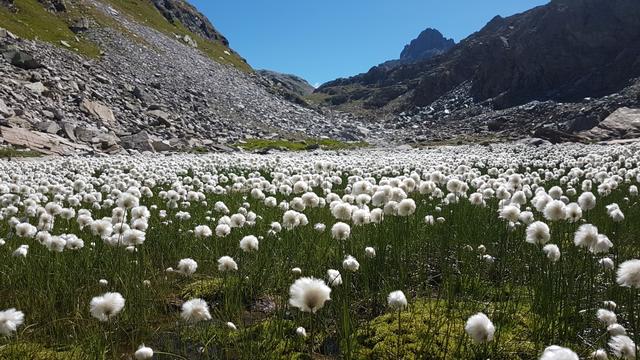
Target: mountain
[121,75]
[562,52]
[428,44]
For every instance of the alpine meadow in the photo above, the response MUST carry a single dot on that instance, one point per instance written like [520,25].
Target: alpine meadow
[171,189]
[375,254]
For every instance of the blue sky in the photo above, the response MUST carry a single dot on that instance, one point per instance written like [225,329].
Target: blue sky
[325,39]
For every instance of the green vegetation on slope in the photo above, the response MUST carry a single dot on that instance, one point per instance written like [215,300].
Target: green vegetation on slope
[32,21]
[325,144]
[144,12]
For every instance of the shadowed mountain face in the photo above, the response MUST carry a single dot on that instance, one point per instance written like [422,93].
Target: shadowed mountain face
[427,45]
[563,51]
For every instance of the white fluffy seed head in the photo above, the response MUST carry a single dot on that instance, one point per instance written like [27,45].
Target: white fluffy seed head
[480,328]
[555,352]
[309,294]
[397,300]
[629,274]
[195,310]
[106,306]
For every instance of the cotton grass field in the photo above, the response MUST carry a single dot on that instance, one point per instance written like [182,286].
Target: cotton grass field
[470,252]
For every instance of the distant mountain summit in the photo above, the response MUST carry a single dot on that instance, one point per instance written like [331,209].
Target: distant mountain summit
[428,44]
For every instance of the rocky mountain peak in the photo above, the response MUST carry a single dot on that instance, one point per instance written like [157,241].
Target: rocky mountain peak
[428,44]
[190,17]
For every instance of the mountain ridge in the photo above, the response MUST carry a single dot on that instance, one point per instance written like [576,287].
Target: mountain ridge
[560,52]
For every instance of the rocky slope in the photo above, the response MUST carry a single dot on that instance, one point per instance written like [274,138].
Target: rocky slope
[556,54]
[150,84]
[292,83]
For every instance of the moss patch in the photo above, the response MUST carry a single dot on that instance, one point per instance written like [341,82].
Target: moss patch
[431,330]
[20,351]
[209,289]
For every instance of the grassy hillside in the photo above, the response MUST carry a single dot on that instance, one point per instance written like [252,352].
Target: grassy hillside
[32,21]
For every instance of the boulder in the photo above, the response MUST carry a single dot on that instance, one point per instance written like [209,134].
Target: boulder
[36,87]
[48,144]
[189,41]
[21,59]
[5,110]
[82,24]
[50,127]
[162,116]
[140,141]
[99,111]
[624,123]
[162,145]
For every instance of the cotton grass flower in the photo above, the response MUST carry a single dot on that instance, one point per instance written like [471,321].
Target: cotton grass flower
[223,230]
[106,306]
[555,210]
[143,353]
[187,267]
[300,331]
[587,201]
[21,251]
[396,300]
[406,207]
[309,294]
[340,231]
[510,213]
[628,274]
[10,320]
[607,317]
[555,352]
[616,329]
[249,243]
[202,232]
[623,347]
[195,310]
[370,252]
[350,264]
[334,278]
[538,233]
[226,263]
[586,236]
[480,328]
[599,354]
[552,252]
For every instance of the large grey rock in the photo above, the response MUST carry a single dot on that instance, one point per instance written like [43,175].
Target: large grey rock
[624,123]
[45,143]
[99,111]
[82,24]
[5,110]
[36,87]
[140,141]
[162,116]
[21,59]
[50,127]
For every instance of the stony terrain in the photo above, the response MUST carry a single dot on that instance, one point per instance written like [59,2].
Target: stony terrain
[146,91]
